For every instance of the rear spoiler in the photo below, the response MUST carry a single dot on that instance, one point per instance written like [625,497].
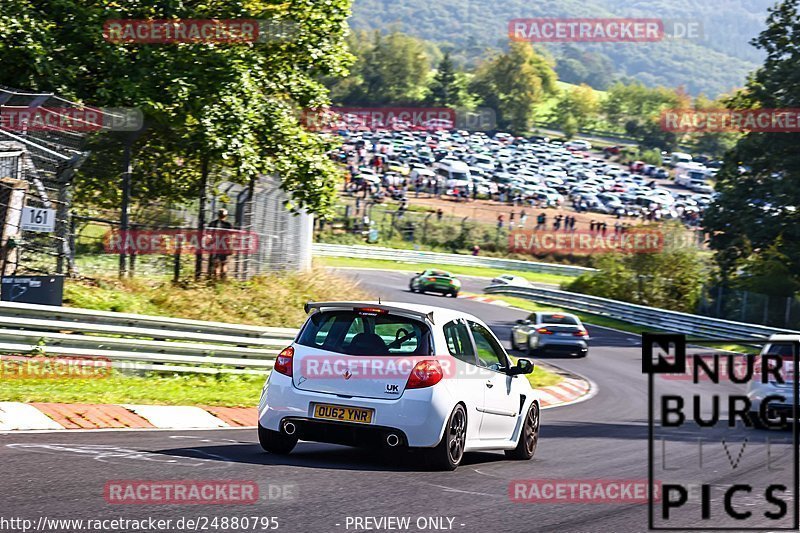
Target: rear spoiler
[311,306]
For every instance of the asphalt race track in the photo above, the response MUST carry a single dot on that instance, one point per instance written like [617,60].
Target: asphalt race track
[63,475]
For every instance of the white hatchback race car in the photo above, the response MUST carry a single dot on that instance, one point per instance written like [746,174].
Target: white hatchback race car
[399,376]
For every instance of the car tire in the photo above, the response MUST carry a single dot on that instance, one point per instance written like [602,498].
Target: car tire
[448,453]
[454,294]
[275,441]
[528,437]
[533,352]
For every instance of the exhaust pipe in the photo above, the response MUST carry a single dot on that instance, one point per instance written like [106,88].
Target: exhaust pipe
[392,440]
[289,428]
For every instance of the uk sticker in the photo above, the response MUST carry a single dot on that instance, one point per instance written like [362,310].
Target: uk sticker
[722,434]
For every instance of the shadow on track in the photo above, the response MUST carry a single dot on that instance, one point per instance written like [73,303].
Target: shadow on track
[324,457]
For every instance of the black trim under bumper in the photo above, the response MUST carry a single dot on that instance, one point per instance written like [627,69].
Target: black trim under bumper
[345,433]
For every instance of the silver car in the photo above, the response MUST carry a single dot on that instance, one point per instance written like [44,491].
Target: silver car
[550,332]
[779,407]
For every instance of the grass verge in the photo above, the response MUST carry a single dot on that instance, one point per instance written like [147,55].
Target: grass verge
[272,300]
[160,389]
[554,279]
[543,378]
[156,389]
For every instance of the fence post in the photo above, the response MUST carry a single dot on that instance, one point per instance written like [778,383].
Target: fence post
[766,310]
[176,267]
[12,192]
[744,305]
[201,218]
[788,313]
[126,199]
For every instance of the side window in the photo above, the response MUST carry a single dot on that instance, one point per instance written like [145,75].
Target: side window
[458,341]
[490,353]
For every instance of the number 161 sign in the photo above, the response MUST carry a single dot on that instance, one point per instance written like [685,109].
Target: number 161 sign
[38,219]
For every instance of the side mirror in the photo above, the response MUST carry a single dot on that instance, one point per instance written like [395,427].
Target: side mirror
[524,366]
[523,322]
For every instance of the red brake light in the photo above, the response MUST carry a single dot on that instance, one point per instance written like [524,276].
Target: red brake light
[430,279]
[370,311]
[544,331]
[425,374]
[283,363]
[581,333]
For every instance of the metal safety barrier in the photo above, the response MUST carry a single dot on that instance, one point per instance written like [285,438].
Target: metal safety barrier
[140,342]
[657,319]
[415,256]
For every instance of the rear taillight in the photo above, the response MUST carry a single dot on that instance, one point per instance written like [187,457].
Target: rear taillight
[283,364]
[430,279]
[425,374]
[544,331]
[581,333]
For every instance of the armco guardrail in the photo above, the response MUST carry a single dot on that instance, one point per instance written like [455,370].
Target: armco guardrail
[141,342]
[414,256]
[658,319]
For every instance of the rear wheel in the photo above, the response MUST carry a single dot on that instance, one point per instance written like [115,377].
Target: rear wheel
[529,437]
[533,351]
[275,441]
[448,453]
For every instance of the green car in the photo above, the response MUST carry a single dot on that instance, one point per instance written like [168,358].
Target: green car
[435,281]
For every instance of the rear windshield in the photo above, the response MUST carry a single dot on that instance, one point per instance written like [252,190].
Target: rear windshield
[559,319]
[366,333]
[784,349]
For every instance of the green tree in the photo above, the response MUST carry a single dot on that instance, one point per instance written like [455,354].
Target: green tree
[672,278]
[390,69]
[445,89]
[513,84]
[576,109]
[232,105]
[756,215]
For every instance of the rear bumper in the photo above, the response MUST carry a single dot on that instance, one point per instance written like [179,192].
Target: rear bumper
[418,415]
[576,347]
[346,434]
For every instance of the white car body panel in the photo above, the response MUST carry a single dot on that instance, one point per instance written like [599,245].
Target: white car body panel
[492,398]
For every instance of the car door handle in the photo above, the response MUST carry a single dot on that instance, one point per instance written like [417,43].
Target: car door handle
[489,384]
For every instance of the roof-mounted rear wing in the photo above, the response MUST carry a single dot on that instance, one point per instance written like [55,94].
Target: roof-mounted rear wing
[319,306]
